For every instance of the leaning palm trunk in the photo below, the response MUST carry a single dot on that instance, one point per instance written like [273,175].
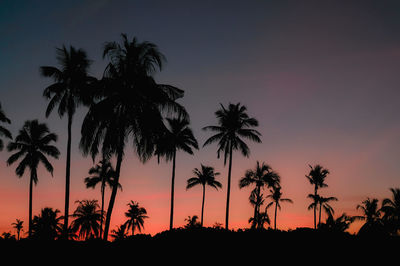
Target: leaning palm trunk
[114,188]
[171,218]
[67,178]
[102,209]
[229,188]
[202,204]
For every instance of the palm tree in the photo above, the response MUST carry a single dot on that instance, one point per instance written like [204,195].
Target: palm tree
[261,176]
[47,225]
[178,136]
[3,131]
[233,124]
[103,173]
[204,176]
[33,144]
[316,177]
[136,216]
[192,222]
[276,196]
[130,106]
[87,219]
[120,233]
[338,225]
[371,216]
[261,219]
[18,225]
[68,92]
[391,210]
[324,204]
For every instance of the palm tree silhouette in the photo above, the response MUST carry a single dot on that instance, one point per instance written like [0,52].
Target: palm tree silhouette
[136,216]
[316,177]
[103,173]
[371,216]
[18,225]
[33,144]
[261,219]
[120,233]
[192,222]
[3,131]
[261,176]
[204,176]
[130,106]
[338,225]
[324,204]
[47,225]
[87,219]
[276,196]
[391,210]
[178,136]
[68,92]
[233,125]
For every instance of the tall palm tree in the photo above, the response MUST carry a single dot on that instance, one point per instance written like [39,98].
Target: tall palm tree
[18,225]
[234,124]
[33,144]
[103,173]
[178,136]
[204,176]
[130,106]
[69,90]
[3,131]
[136,216]
[261,176]
[276,196]
[47,225]
[316,177]
[87,217]
[391,210]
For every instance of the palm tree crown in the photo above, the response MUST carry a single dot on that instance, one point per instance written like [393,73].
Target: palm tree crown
[87,217]
[3,131]
[136,216]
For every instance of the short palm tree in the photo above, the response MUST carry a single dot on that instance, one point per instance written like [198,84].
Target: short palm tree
[338,225]
[262,176]
[371,216]
[120,233]
[130,107]
[260,221]
[234,124]
[192,222]
[324,204]
[136,216]
[47,225]
[204,177]
[33,144]
[391,210]
[178,136]
[87,217]
[69,90]
[103,173]
[3,131]
[18,225]
[276,197]
[316,177]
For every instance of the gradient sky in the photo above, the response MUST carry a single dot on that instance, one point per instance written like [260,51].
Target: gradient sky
[322,78]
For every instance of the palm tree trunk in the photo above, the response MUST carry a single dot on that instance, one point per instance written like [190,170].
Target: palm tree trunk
[114,187]
[229,188]
[171,218]
[202,204]
[30,206]
[102,210]
[276,211]
[315,206]
[320,208]
[256,208]
[67,178]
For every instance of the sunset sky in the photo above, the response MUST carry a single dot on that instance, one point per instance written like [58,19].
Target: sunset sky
[321,77]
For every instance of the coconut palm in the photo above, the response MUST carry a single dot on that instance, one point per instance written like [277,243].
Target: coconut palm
[205,177]
[234,125]
[316,177]
[33,144]
[338,225]
[47,225]
[69,90]
[3,131]
[130,106]
[120,233]
[276,197]
[178,136]
[391,210]
[103,173]
[371,216]
[260,221]
[262,176]
[18,225]
[324,204]
[136,216]
[192,222]
[87,217]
